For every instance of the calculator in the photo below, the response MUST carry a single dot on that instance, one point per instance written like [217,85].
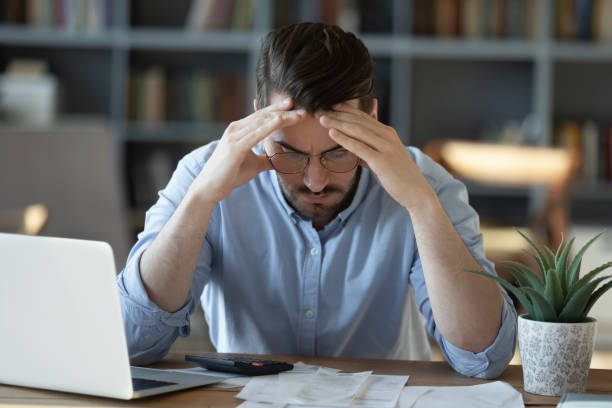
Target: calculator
[240,365]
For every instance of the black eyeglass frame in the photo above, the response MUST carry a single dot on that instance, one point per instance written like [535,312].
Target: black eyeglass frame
[308,156]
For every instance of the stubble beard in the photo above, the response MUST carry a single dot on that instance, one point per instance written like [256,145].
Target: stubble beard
[320,214]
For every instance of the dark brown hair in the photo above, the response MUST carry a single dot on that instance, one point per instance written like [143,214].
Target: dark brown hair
[316,64]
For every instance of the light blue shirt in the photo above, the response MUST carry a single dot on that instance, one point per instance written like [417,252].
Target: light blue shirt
[271,283]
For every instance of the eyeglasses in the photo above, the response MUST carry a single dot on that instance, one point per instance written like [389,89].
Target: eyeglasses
[336,161]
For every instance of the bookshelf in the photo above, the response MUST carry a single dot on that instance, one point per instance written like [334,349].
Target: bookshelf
[430,84]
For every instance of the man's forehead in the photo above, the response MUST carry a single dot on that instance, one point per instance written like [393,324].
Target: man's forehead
[308,136]
[277,98]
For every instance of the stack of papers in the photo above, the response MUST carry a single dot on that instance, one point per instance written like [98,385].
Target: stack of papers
[585,401]
[311,386]
[497,394]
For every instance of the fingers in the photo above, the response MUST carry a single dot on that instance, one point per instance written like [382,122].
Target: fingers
[366,134]
[362,150]
[267,122]
[250,130]
[352,124]
[285,104]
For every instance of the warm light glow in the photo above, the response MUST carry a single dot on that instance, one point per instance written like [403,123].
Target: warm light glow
[503,240]
[34,218]
[506,164]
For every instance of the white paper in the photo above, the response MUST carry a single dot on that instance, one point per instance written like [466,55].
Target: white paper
[327,388]
[379,391]
[497,394]
[571,400]
[304,388]
[264,388]
[254,404]
[301,367]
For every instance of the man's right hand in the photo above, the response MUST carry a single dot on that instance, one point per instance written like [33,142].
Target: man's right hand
[167,267]
[233,163]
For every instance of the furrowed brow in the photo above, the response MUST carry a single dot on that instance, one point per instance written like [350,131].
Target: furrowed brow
[289,147]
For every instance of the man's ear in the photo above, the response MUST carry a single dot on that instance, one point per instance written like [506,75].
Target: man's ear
[374,111]
[255,105]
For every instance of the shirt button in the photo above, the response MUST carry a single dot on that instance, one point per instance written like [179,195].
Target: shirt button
[314,252]
[309,314]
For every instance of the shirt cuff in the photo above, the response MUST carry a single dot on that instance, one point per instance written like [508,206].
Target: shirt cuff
[142,310]
[491,362]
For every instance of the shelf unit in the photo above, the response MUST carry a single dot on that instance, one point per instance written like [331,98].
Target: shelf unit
[429,87]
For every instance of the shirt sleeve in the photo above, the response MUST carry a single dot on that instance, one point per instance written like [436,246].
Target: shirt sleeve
[150,331]
[491,362]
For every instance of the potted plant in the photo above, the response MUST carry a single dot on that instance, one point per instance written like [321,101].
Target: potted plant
[556,336]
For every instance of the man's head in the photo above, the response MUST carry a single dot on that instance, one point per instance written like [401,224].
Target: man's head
[318,66]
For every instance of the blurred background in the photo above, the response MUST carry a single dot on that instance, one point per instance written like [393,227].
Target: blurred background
[99,99]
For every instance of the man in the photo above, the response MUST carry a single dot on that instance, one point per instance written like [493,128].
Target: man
[309,229]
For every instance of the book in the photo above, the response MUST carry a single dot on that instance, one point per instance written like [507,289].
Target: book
[221,18]
[330,11]
[199,13]
[489,18]
[516,18]
[243,15]
[423,20]
[584,9]
[205,96]
[501,15]
[530,18]
[471,24]
[604,21]
[447,18]
[349,16]
[153,102]
[565,19]
[590,151]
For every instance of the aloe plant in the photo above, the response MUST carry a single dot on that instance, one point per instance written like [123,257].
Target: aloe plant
[556,293]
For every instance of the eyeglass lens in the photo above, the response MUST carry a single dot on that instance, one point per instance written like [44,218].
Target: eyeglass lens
[338,161]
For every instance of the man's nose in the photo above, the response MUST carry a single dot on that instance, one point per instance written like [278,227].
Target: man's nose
[315,175]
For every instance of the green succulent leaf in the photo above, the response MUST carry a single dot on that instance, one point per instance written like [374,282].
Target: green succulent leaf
[561,264]
[534,280]
[550,258]
[575,306]
[596,295]
[574,269]
[560,247]
[515,291]
[520,277]
[544,311]
[539,257]
[553,291]
[586,278]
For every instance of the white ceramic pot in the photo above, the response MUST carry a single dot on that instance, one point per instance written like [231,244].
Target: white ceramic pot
[556,356]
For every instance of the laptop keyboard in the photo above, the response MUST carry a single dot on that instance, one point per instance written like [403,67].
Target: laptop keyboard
[139,384]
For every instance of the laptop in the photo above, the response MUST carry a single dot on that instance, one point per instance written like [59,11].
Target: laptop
[61,322]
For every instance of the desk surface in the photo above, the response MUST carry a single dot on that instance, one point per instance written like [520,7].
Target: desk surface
[420,372]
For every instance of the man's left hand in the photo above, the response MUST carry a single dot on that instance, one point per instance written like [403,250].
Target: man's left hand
[381,150]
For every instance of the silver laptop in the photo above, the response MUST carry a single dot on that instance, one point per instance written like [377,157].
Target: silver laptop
[61,324]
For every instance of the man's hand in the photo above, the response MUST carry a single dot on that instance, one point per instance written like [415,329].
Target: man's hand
[233,163]
[381,150]
[467,310]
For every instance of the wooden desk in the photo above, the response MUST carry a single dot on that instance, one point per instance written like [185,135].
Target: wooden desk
[421,373]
